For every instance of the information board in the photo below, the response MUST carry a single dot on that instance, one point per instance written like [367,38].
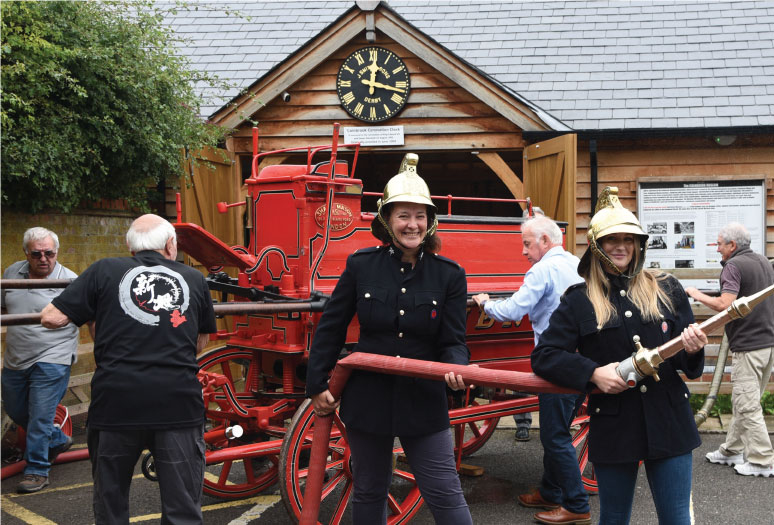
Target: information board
[683,219]
[374,135]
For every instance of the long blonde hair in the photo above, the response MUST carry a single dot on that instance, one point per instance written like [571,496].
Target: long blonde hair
[643,291]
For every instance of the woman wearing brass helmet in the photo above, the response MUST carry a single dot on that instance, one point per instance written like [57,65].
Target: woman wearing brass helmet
[601,318]
[410,302]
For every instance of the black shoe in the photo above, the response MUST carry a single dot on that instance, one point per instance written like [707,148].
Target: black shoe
[55,451]
[522,434]
[32,483]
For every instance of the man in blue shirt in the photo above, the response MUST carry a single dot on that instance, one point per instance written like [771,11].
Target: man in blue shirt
[553,270]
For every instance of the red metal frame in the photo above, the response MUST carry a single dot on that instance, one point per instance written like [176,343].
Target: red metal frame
[451,198]
[306,221]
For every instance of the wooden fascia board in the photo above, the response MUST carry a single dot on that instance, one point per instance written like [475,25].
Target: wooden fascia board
[294,68]
[454,69]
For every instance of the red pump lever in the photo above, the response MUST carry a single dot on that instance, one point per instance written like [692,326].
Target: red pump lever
[223,207]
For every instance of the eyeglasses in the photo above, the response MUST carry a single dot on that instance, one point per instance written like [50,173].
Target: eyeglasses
[39,255]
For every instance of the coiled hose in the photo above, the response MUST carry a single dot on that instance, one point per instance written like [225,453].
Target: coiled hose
[701,416]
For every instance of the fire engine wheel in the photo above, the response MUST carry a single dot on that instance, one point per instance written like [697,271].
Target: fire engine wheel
[580,441]
[239,478]
[149,467]
[475,433]
[404,498]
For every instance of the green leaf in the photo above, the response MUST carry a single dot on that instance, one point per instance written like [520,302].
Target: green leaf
[95,103]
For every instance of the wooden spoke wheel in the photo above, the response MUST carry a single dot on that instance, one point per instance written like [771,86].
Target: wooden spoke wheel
[580,441]
[238,478]
[475,434]
[404,499]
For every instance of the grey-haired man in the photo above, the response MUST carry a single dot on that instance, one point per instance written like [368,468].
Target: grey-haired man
[152,315]
[751,339]
[36,365]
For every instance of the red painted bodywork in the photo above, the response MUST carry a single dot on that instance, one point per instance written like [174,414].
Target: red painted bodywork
[289,250]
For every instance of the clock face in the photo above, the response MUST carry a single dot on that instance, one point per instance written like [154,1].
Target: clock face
[373,84]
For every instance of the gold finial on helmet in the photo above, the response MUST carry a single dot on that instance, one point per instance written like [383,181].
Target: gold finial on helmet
[409,163]
[608,198]
[407,186]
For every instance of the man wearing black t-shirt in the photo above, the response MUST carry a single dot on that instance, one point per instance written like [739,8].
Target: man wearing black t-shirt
[152,315]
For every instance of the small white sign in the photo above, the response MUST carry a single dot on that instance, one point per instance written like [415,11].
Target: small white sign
[374,136]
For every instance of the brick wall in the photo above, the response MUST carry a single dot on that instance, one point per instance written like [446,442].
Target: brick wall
[84,237]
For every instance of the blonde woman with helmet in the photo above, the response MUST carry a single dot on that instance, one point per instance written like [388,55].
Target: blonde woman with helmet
[591,331]
[410,302]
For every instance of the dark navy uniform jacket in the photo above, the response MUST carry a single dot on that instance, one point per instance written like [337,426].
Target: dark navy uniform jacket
[654,419]
[417,313]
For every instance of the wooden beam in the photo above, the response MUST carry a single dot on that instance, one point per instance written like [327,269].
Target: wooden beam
[506,174]
[694,273]
[299,112]
[423,126]
[413,142]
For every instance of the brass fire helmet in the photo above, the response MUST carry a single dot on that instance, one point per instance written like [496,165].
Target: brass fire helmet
[407,186]
[611,217]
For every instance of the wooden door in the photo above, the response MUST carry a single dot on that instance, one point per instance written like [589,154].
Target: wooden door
[213,178]
[549,180]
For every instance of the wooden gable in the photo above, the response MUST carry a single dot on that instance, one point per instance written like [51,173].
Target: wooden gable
[467,127]
[439,115]
[452,105]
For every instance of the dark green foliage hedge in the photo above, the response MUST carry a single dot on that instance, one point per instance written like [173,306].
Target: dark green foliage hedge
[723,403]
[95,104]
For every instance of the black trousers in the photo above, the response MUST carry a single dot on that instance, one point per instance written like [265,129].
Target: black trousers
[178,456]
[432,461]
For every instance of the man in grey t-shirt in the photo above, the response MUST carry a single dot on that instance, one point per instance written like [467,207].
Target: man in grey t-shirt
[751,340]
[36,364]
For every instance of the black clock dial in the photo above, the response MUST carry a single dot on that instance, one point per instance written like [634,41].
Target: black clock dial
[373,84]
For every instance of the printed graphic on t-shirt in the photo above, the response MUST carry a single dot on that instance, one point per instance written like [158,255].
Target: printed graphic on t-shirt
[146,293]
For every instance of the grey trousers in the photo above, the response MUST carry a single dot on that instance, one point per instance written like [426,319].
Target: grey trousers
[432,461]
[178,456]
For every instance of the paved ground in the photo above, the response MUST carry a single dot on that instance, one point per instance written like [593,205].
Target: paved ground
[720,496]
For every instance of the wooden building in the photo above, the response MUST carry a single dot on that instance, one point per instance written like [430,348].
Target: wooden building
[549,100]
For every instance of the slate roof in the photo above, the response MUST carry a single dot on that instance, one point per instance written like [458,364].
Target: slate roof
[594,65]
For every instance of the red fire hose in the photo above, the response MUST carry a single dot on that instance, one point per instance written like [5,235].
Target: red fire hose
[403,367]
[64,457]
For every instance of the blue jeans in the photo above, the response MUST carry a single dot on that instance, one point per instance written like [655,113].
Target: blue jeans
[670,486]
[30,397]
[561,482]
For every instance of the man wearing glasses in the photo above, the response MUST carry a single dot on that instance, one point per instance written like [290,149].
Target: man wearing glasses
[36,364]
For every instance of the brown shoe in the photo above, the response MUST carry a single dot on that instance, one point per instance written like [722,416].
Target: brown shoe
[32,483]
[535,500]
[562,516]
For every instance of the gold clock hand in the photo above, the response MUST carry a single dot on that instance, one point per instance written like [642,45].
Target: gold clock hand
[373,68]
[380,85]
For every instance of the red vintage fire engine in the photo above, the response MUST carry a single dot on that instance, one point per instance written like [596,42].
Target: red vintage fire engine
[303,221]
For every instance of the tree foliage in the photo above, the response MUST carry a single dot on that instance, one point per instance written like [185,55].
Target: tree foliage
[95,103]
